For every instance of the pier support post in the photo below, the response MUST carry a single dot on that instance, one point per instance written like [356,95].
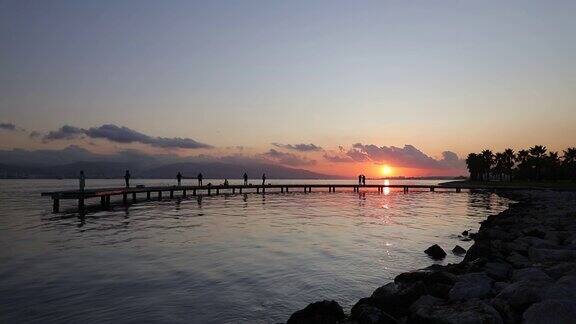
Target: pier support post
[263,190]
[458,190]
[282,189]
[184,193]
[80,204]
[108,201]
[233,190]
[217,191]
[133,197]
[171,194]
[286,189]
[258,190]
[405,189]
[209,191]
[159,195]
[432,189]
[147,195]
[102,201]
[124,198]
[193,192]
[55,205]
[240,190]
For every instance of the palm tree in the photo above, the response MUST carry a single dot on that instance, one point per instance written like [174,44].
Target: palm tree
[552,165]
[500,165]
[569,163]
[537,155]
[509,161]
[523,169]
[488,158]
[473,162]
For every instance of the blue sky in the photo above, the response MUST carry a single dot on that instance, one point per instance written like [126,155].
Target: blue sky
[450,75]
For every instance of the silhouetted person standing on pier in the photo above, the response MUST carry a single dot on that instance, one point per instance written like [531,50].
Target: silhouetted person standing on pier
[82,180]
[200,177]
[363,180]
[245,178]
[127,178]
[263,178]
[359,179]
[179,178]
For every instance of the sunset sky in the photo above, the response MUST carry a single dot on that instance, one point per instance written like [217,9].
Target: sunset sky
[334,86]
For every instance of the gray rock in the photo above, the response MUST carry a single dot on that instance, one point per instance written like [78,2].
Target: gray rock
[551,311]
[370,314]
[424,302]
[518,261]
[564,288]
[550,255]
[470,312]
[522,294]
[471,285]
[458,250]
[559,270]
[530,274]
[324,312]
[435,252]
[498,270]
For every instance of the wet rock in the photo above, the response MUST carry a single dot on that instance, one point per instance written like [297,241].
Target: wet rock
[370,314]
[435,252]
[471,285]
[323,312]
[522,294]
[473,311]
[530,274]
[550,255]
[534,232]
[559,270]
[509,316]
[564,288]
[465,233]
[458,250]
[518,261]
[423,302]
[395,299]
[551,311]
[498,270]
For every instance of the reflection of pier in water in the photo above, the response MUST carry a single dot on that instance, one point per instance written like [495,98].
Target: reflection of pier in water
[183,191]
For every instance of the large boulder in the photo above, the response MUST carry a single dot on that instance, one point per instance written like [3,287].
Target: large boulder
[323,312]
[530,274]
[522,294]
[551,311]
[564,288]
[561,269]
[498,270]
[469,312]
[550,255]
[435,252]
[366,313]
[471,285]
[458,250]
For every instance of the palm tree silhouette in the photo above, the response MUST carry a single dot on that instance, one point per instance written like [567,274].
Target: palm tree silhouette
[569,163]
[488,158]
[537,155]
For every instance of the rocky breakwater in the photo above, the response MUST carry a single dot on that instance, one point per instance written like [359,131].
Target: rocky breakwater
[520,269]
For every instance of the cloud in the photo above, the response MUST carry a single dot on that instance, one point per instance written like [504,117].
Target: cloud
[337,158]
[10,127]
[299,147]
[287,158]
[35,134]
[65,132]
[122,134]
[407,156]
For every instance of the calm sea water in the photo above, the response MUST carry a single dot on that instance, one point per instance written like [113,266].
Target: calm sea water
[222,259]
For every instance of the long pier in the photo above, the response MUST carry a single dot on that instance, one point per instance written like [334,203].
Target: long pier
[160,192]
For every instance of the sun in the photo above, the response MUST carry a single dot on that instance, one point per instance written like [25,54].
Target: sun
[386,170]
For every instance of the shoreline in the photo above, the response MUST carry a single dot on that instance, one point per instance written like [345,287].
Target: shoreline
[520,269]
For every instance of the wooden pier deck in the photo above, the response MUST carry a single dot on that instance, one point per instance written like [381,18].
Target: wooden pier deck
[183,191]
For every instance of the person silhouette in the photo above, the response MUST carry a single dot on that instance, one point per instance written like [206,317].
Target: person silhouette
[245,179]
[363,180]
[200,177]
[263,178]
[82,180]
[127,178]
[179,178]
[225,182]
[359,179]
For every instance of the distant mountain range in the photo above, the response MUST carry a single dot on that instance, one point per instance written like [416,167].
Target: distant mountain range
[68,162]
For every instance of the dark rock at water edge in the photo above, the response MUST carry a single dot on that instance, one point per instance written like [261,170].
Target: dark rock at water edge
[323,312]
[435,252]
[458,250]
